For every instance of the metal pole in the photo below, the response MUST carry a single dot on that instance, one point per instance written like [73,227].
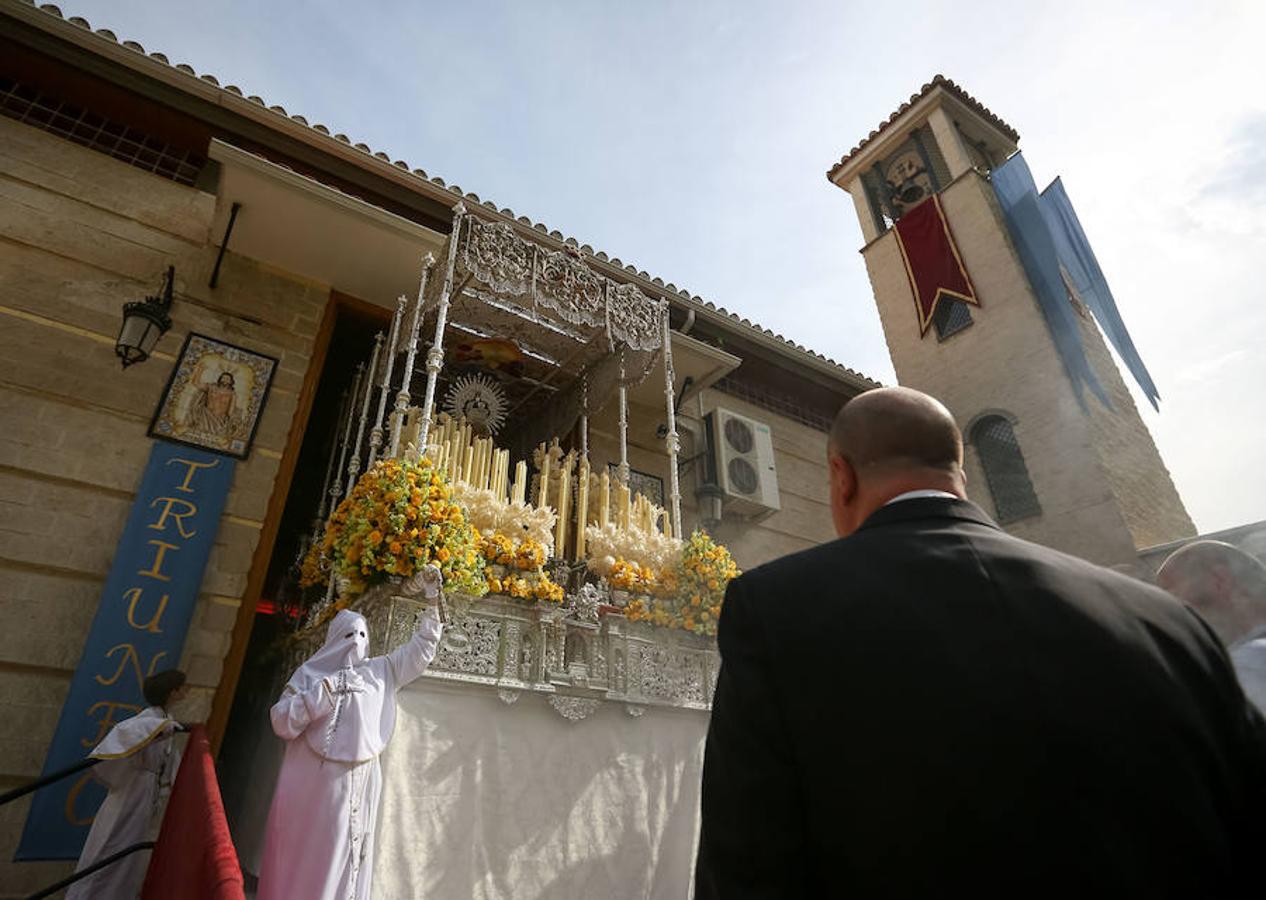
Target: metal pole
[336,492]
[95,867]
[674,444]
[329,466]
[584,417]
[375,433]
[435,356]
[403,397]
[353,466]
[43,780]
[224,243]
[623,471]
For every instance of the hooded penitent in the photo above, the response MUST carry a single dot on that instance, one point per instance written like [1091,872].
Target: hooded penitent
[363,720]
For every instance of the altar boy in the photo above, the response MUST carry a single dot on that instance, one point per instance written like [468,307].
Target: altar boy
[138,764]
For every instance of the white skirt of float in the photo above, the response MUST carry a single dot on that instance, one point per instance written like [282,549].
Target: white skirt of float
[512,801]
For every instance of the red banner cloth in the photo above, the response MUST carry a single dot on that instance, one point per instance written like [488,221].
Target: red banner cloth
[194,858]
[932,262]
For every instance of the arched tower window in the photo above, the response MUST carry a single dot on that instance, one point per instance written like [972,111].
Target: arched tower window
[1005,471]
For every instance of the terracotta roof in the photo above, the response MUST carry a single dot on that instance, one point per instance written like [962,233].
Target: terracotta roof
[429,184]
[937,81]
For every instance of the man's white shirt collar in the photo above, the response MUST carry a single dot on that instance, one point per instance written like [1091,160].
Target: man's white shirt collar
[920,495]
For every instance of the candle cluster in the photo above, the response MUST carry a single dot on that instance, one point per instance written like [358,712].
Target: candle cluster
[565,505]
[473,460]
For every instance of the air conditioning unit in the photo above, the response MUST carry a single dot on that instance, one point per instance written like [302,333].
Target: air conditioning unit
[742,462]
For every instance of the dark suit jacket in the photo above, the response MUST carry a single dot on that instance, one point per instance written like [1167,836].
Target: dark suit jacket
[932,708]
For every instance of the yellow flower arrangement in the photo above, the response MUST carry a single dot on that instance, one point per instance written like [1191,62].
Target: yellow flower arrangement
[627,575]
[399,517]
[691,594]
[499,549]
[525,558]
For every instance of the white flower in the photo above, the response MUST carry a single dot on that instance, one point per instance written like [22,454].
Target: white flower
[649,549]
[492,514]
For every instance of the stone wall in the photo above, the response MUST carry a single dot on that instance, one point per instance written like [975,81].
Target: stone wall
[1144,490]
[1006,363]
[80,234]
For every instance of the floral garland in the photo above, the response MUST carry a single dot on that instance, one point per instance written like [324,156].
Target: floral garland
[691,593]
[400,516]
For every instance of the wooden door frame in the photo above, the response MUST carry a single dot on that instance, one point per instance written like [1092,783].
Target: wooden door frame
[231,672]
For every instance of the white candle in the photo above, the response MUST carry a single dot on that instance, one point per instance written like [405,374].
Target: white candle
[544,493]
[520,480]
[560,526]
[582,509]
[604,499]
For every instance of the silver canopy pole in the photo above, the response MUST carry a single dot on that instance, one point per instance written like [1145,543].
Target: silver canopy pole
[674,444]
[435,356]
[353,466]
[375,433]
[403,397]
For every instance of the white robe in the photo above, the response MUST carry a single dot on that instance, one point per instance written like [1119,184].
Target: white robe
[318,843]
[138,766]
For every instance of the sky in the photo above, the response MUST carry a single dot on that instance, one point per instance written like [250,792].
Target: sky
[692,140]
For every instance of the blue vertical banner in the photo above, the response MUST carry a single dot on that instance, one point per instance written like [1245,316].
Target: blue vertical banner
[140,626]
[1082,266]
[1021,209]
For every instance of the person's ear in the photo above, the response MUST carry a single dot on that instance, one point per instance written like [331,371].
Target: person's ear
[843,478]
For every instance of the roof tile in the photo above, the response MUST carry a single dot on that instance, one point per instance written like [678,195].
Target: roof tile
[937,81]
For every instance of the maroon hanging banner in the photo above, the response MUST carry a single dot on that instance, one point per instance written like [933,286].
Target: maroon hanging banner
[932,262]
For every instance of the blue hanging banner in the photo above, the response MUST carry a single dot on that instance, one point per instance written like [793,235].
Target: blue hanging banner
[139,629]
[1021,208]
[1079,261]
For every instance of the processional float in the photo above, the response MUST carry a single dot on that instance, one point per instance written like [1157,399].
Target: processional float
[561,579]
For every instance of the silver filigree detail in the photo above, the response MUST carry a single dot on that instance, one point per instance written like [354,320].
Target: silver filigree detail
[470,645]
[574,708]
[634,317]
[634,710]
[498,257]
[582,606]
[508,696]
[562,281]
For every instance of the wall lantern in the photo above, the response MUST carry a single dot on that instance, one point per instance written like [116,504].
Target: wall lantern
[710,501]
[144,322]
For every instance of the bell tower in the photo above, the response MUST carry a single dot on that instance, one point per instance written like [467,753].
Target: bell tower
[979,310]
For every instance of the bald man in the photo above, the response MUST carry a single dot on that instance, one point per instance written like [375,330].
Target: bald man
[929,707]
[1228,587]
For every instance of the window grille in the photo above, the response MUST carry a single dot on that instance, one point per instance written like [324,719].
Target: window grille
[783,404]
[74,123]
[1005,471]
[951,316]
